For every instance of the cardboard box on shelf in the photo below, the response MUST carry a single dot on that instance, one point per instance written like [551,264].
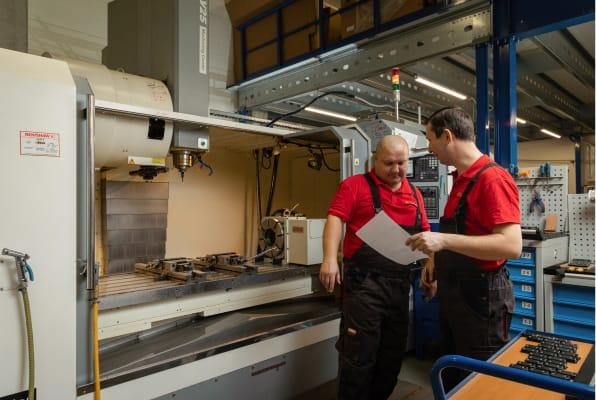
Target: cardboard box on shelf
[242,11]
[361,17]
[294,16]
[333,26]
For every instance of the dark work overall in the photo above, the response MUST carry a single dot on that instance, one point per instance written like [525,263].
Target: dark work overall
[374,325]
[475,305]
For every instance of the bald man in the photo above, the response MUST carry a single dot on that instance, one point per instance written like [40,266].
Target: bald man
[375,301]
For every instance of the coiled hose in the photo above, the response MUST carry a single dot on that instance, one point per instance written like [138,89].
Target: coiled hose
[29,326]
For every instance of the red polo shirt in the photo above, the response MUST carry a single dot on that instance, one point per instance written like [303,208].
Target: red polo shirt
[353,204]
[494,200]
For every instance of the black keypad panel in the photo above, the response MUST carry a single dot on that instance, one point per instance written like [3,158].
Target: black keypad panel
[549,356]
[426,169]
[430,196]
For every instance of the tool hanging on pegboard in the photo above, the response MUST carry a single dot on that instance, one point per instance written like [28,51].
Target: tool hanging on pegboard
[537,204]
[543,191]
[545,170]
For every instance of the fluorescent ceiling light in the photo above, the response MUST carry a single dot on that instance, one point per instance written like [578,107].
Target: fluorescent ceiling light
[330,113]
[549,133]
[440,88]
[520,120]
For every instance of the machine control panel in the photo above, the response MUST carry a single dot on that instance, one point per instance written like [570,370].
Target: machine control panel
[430,177]
[430,197]
[425,169]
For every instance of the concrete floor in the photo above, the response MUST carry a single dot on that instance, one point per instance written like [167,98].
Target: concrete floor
[414,383]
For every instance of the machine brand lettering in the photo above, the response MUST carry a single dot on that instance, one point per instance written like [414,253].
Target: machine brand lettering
[40,144]
[203,12]
[297,229]
[203,41]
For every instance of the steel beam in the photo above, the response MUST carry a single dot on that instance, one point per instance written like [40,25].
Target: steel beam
[538,90]
[538,61]
[377,90]
[460,26]
[482,98]
[548,94]
[413,93]
[504,66]
[527,18]
[561,49]
[578,168]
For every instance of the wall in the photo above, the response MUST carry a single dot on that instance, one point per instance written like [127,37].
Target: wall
[206,214]
[13,25]
[587,157]
[557,151]
[68,28]
[299,184]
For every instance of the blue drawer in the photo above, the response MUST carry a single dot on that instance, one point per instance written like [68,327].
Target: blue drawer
[521,322]
[521,273]
[528,257]
[525,307]
[573,294]
[524,290]
[572,329]
[574,312]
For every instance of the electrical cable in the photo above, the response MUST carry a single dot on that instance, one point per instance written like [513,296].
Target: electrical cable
[258,170]
[263,157]
[273,183]
[325,163]
[302,107]
[368,103]
[310,146]
[204,164]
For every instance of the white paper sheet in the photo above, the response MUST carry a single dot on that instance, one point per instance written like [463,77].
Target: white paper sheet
[388,238]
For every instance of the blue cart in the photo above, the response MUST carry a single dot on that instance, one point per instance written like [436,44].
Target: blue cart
[579,390]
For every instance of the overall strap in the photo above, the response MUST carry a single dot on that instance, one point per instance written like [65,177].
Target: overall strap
[415,192]
[375,193]
[462,206]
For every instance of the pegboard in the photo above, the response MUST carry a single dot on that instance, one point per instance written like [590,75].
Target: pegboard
[581,227]
[553,191]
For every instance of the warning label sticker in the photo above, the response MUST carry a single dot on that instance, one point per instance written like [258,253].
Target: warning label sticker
[40,144]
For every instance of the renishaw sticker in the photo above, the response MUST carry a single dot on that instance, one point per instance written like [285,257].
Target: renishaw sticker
[40,144]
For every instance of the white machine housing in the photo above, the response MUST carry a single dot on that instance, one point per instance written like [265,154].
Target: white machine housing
[304,241]
[295,240]
[38,160]
[121,140]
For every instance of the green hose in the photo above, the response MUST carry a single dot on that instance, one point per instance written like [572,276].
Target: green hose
[29,343]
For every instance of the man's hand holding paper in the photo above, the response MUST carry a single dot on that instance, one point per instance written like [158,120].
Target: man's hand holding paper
[388,238]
